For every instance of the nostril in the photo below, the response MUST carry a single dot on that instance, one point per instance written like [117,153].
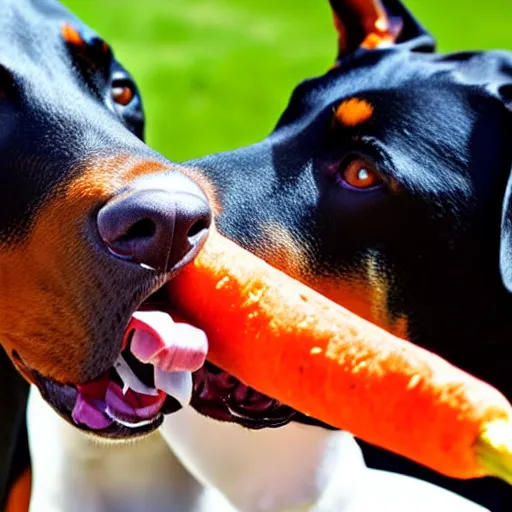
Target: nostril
[145,228]
[198,227]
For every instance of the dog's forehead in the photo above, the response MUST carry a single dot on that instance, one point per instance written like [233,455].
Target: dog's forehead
[408,74]
[39,44]
[424,110]
[56,118]
[30,29]
[429,121]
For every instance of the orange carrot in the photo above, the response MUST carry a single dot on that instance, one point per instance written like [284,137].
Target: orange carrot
[291,343]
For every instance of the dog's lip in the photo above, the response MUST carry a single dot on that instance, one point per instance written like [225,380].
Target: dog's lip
[234,402]
[63,397]
[215,394]
[219,395]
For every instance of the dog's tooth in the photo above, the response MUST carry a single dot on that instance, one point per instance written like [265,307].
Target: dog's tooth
[176,384]
[130,380]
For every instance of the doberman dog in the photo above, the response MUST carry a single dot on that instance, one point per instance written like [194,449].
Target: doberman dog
[85,235]
[384,186]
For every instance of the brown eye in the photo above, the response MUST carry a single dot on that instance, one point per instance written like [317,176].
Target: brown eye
[123,94]
[360,174]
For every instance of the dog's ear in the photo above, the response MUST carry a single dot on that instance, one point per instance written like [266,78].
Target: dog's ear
[505,93]
[506,238]
[376,23]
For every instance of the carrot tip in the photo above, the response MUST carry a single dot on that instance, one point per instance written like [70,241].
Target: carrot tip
[493,450]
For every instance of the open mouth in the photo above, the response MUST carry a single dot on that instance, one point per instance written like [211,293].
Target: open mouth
[151,376]
[161,368]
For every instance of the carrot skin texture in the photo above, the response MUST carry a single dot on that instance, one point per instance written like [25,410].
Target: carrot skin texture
[289,342]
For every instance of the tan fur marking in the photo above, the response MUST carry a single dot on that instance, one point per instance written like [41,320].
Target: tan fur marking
[71,35]
[282,250]
[206,185]
[379,289]
[353,112]
[55,283]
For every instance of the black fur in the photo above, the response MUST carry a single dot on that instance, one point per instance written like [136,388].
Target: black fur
[56,114]
[440,234]
[441,138]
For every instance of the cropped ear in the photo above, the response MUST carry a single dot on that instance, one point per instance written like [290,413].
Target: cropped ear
[505,93]
[506,238]
[374,24]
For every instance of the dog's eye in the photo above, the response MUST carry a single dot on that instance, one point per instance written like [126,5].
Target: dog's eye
[359,174]
[122,93]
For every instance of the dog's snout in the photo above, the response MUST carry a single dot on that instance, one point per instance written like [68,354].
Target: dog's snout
[161,224]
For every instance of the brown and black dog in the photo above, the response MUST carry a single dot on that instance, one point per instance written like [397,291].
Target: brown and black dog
[85,238]
[384,186]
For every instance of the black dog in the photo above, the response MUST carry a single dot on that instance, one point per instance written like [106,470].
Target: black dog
[384,186]
[84,239]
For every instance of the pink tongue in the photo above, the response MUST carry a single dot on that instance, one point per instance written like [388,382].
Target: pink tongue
[130,407]
[167,345]
[157,340]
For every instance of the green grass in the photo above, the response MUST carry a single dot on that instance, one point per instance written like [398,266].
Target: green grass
[216,74]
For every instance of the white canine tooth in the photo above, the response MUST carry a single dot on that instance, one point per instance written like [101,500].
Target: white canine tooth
[130,380]
[176,384]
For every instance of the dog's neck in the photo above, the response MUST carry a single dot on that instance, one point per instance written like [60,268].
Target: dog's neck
[290,468]
[296,468]
[73,472]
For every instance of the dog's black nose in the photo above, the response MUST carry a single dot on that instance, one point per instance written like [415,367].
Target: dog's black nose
[162,223]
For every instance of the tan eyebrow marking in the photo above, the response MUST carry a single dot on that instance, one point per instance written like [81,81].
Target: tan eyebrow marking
[71,35]
[354,112]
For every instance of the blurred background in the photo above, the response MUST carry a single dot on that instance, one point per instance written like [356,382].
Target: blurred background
[216,74]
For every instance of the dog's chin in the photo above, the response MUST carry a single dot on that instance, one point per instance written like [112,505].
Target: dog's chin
[222,397]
